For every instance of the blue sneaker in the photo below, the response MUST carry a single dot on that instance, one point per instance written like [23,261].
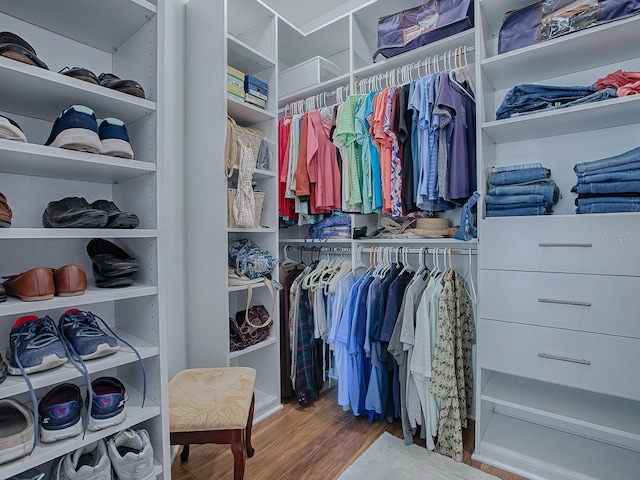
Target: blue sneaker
[60,413]
[114,138]
[34,346]
[83,335]
[106,403]
[76,128]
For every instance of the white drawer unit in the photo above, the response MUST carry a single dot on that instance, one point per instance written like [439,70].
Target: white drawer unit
[606,244]
[590,303]
[576,359]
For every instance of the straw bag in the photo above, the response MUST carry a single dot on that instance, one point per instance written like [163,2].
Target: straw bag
[238,136]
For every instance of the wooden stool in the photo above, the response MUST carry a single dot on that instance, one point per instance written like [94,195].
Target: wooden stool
[213,405]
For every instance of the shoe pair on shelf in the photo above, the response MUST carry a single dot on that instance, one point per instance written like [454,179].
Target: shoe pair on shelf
[77,128]
[14,47]
[42,283]
[129,453]
[108,80]
[112,266]
[77,212]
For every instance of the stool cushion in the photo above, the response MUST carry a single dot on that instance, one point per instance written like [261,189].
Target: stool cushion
[202,399]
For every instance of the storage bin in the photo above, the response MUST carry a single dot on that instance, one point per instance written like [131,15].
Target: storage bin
[306,74]
[231,221]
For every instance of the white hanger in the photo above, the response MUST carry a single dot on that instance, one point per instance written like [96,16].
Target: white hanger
[473,296]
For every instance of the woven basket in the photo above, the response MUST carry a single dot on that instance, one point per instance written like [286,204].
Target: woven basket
[236,136]
[231,221]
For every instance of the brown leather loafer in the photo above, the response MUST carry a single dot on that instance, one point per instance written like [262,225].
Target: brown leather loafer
[70,280]
[5,212]
[34,284]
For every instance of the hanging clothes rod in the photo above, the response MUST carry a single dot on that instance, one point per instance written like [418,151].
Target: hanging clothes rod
[318,101]
[423,250]
[451,60]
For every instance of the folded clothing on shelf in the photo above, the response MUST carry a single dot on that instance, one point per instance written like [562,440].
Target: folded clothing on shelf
[521,190]
[609,185]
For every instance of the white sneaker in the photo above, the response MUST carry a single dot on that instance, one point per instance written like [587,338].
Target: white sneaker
[131,455]
[87,463]
[16,430]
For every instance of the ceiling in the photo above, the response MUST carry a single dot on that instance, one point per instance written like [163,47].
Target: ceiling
[309,15]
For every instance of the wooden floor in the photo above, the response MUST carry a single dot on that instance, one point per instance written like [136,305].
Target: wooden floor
[317,442]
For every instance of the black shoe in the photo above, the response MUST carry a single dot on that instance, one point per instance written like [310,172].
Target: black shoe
[14,47]
[81,74]
[3,370]
[131,87]
[3,293]
[116,218]
[109,260]
[112,282]
[73,212]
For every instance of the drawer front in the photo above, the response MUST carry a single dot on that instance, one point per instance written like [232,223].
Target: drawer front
[604,244]
[590,303]
[599,363]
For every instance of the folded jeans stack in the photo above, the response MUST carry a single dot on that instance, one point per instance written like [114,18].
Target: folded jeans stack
[521,190]
[531,98]
[609,185]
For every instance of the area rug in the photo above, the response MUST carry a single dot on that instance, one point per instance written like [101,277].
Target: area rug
[389,458]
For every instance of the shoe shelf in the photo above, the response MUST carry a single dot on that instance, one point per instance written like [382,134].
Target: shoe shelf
[29,158]
[16,385]
[103,25]
[36,92]
[91,296]
[52,233]
[45,452]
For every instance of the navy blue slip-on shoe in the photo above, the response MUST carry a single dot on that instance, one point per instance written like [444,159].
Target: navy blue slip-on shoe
[113,82]
[107,403]
[73,212]
[81,74]
[116,217]
[114,138]
[76,128]
[85,337]
[59,411]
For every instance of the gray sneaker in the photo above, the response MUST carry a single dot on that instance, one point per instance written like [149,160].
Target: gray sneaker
[16,430]
[87,463]
[131,455]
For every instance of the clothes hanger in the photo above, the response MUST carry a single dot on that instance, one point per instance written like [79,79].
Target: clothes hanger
[360,263]
[473,296]
[452,77]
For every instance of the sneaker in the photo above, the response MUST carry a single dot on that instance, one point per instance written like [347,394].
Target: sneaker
[31,474]
[73,212]
[16,430]
[112,266]
[3,370]
[82,333]
[76,128]
[59,412]
[10,130]
[90,462]
[34,346]
[107,404]
[116,218]
[114,138]
[131,87]
[81,74]
[131,455]
[5,211]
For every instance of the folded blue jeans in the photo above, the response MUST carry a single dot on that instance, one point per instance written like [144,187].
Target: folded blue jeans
[621,176]
[513,199]
[551,193]
[514,212]
[617,163]
[631,186]
[608,207]
[467,230]
[621,199]
[491,206]
[519,176]
[520,166]
[531,98]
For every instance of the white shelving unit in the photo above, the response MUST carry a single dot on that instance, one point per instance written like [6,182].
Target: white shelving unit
[241,34]
[121,38]
[550,406]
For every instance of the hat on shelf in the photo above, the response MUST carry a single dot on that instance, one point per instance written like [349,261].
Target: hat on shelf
[433,227]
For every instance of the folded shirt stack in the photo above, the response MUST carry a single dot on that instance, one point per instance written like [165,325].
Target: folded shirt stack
[609,185]
[525,190]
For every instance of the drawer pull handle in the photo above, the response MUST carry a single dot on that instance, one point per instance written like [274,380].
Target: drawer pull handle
[564,359]
[566,245]
[564,302]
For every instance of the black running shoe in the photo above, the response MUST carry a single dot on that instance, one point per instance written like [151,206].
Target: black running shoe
[73,212]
